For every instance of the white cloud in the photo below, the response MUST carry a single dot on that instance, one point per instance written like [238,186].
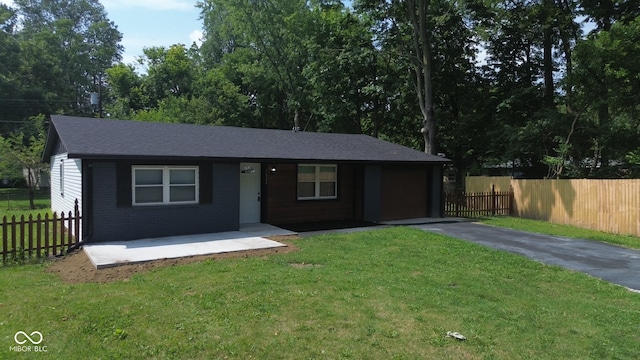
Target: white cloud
[196,36]
[7,2]
[182,5]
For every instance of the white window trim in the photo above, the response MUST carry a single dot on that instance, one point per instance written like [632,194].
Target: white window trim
[317,183]
[166,186]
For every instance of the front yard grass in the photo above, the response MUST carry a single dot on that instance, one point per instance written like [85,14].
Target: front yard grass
[386,294]
[545,227]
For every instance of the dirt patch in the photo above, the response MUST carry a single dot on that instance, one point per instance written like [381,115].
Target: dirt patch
[304,265]
[77,268]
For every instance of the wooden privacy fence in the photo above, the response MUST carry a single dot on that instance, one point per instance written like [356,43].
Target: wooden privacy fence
[465,204]
[39,236]
[484,183]
[609,205]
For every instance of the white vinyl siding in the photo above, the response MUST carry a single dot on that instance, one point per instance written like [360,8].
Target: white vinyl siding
[66,184]
[317,182]
[164,185]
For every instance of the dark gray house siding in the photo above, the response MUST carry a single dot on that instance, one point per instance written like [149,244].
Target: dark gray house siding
[436,206]
[372,198]
[111,221]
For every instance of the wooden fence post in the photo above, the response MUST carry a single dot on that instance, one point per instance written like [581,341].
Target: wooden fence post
[5,242]
[30,234]
[494,204]
[54,220]
[69,230]
[511,200]
[39,235]
[22,245]
[46,235]
[13,234]
[61,239]
[76,228]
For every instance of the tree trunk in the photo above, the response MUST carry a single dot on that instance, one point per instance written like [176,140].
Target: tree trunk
[31,185]
[548,68]
[429,132]
[296,119]
[32,205]
[422,69]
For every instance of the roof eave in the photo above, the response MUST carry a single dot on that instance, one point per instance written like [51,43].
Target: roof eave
[107,157]
[52,135]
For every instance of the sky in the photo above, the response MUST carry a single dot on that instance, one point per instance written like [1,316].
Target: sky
[146,23]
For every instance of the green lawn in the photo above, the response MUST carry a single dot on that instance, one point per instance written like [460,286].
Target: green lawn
[545,227]
[15,202]
[391,293]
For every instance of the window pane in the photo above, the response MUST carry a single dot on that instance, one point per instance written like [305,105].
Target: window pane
[61,179]
[327,189]
[152,194]
[306,169]
[187,176]
[306,173]
[306,189]
[327,173]
[182,193]
[148,176]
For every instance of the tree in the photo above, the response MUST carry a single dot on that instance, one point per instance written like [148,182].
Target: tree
[345,74]
[169,72]
[543,98]
[23,150]
[277,30]
[397,21]
[605,78]
[10,65]
[422,62]
[125,86]
[66,46]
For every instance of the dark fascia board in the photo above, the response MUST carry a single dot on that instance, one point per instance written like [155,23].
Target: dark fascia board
[52,137]
[248,160]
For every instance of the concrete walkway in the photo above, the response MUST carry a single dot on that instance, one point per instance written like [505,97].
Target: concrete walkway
[386,224]
[250,237]
[604,261]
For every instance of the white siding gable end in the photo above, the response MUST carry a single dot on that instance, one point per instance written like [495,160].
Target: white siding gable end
[66,184]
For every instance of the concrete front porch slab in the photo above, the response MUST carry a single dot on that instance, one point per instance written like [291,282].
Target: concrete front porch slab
[109,254]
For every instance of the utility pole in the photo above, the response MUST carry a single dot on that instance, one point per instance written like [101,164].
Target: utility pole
[96,98]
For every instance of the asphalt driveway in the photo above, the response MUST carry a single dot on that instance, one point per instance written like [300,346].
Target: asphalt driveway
[608,262]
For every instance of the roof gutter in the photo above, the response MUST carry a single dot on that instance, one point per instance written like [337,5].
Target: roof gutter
[164,158]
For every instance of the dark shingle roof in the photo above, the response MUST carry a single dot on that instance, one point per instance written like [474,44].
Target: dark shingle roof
[109,139]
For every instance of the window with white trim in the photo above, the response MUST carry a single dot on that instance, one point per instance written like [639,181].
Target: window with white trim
[317,181]
[61,177]
[164,185]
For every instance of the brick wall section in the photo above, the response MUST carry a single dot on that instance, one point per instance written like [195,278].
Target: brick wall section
[112,223]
